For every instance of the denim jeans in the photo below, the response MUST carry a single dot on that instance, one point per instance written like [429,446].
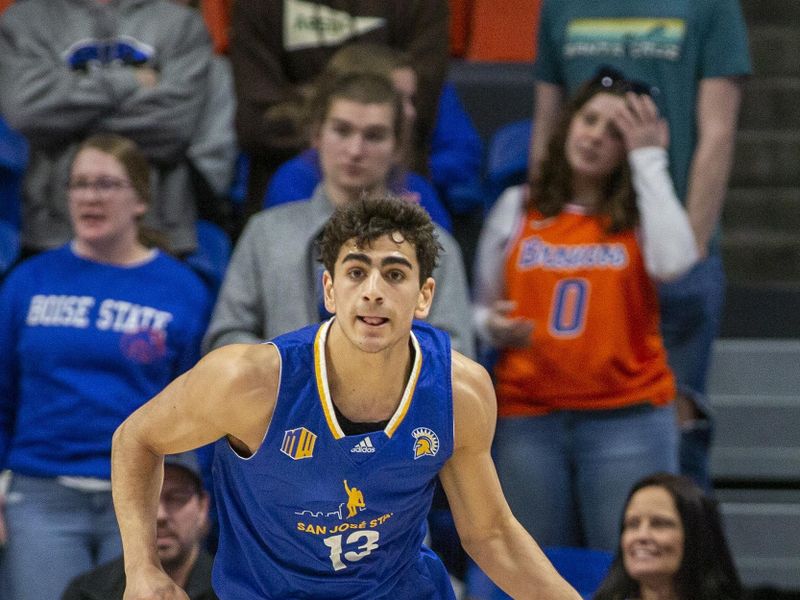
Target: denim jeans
[55,533]
[691,315]
[566,474]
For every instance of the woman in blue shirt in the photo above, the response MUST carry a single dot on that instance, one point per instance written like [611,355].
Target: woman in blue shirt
[90,331]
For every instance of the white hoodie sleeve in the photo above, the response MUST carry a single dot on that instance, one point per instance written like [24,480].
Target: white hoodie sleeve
[665,234]
[490,255]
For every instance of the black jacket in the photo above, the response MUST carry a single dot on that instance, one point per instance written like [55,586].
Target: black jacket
[107,582]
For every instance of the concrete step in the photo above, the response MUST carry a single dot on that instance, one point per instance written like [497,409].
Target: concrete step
[775,47]
[762,208]
[762,309]
[766,158]
[778,12]
[761,256]
[771,103]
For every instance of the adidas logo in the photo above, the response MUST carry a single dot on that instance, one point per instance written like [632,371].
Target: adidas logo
[364,445]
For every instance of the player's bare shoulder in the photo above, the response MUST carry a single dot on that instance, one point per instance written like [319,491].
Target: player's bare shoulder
[242,366]
[474,403]
[240,385]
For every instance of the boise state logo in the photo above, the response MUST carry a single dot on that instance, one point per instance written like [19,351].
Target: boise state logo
[427,442]
[145,346]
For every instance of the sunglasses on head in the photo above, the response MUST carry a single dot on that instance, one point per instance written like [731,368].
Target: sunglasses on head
[609,77]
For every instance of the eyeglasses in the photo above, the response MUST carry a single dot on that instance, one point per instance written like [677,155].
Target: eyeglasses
[176,499]
[609,77]
[103,185]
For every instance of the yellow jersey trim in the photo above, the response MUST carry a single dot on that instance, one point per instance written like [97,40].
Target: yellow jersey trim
[405,401]
[321,371]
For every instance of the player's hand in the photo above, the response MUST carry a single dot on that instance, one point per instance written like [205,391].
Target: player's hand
[152,584]
[640,124]
[505,331]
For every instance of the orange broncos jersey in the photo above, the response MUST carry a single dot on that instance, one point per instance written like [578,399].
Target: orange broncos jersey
[596,342]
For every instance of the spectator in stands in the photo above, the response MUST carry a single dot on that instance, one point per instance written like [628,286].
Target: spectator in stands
[696,55]
[273,282]
[279,46]
[181,527]
[671,546]
[139,68]
[90,331]
[213,150]
[456,149]
[296,178]
[564,290]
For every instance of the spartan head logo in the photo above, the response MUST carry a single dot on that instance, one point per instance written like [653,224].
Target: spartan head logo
[427,442]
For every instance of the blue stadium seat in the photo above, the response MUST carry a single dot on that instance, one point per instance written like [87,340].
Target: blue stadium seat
[210,260]
[583,568]
[9,246]
[507,158]
[13,162]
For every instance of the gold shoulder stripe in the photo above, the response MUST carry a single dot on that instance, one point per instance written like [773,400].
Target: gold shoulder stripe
[321,372]
[405,401]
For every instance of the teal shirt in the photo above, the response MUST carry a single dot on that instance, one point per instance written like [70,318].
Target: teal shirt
[668,44]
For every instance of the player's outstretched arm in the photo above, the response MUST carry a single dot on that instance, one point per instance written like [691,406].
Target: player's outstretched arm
[230,392]
[489,532]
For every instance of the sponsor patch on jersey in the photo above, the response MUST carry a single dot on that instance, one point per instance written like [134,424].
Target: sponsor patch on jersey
[298,443]
[426,444]
[364,446]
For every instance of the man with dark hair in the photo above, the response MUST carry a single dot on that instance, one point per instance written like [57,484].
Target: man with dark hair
[330,439]
[381,218]
[181,524]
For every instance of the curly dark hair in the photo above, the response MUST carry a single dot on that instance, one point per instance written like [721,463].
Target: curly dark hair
[707,571]
[553,188]
[368,219]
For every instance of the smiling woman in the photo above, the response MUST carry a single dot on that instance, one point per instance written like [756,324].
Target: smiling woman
[671,546]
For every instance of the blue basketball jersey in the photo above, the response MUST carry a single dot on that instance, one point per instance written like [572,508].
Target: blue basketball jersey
[315,513]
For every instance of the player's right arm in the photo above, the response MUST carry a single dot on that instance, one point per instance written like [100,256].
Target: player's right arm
[231,392]
[489,532]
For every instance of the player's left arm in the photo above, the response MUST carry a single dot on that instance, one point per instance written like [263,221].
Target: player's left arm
[489,532]
[717,110]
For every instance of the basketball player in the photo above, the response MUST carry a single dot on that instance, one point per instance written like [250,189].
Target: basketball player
[330,440]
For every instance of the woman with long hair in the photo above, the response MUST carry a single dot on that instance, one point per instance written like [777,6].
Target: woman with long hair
[671,546]
[565,294]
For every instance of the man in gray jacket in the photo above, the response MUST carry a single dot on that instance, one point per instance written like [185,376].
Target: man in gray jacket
[138,68]
[273,283]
